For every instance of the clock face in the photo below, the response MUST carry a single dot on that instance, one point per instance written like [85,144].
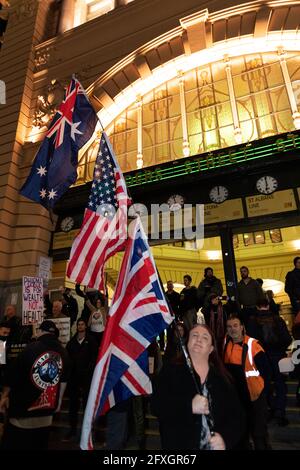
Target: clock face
[218,194]
[67,224]
[267,184]
[175,202]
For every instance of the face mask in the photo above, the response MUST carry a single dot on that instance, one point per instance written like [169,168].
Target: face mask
[3,351]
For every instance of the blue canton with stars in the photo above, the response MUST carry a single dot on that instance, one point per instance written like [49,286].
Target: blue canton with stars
[103,198]
[54,169]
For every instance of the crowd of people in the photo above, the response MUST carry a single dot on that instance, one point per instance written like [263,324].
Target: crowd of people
[222,397]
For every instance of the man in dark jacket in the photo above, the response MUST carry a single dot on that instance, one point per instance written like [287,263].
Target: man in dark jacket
[82,349]
[189,302]
[292,285]
[173,298]
[249,294]
[34,386]
[19,334]
[209,285]
[271,331]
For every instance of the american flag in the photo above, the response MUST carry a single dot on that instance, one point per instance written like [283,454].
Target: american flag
[55,166]
[139,312]
[104,228]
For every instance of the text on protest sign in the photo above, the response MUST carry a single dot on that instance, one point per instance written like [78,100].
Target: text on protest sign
[33,302]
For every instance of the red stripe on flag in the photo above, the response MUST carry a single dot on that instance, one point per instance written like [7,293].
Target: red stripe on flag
[135,383]
[88,215]
[92,246]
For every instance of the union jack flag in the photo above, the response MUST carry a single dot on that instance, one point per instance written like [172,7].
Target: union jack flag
[139,312]
[104,227]
[55,166]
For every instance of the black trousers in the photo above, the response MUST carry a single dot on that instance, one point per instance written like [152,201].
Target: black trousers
[258,416]
[78,389]
[15,438]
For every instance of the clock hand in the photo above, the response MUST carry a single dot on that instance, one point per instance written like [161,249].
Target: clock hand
[267,186]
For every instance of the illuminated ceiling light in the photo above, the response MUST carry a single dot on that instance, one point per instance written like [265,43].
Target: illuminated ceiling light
[273,284]
[214,255]
[296,244]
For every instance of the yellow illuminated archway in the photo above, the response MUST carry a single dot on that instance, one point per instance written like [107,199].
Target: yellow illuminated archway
[235,91]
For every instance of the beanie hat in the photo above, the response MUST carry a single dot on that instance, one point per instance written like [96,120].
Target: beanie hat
[49,327]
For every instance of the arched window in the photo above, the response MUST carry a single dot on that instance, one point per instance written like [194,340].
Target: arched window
[257,91]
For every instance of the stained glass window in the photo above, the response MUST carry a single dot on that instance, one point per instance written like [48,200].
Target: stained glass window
[262,105]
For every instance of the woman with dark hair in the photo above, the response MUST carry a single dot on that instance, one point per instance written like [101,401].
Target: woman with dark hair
[213,420]
[97,320]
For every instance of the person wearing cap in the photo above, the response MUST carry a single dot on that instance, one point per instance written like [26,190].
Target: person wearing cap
[34,386]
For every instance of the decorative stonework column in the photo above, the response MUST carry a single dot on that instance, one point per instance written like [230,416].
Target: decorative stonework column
[185,141]
[289,88]
[67,16]
[80,12]
[25,227]
[236,123]
[139,159]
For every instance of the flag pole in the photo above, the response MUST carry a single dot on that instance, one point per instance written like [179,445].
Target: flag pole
[88,99]
[182,345]
[185,353]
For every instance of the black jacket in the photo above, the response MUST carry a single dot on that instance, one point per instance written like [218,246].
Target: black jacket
[34,378]
[70,308]
[172,403]
[174,299]
[271,331]
[292,285]
[83,356]
[188,300]
[19,334]
[209,285]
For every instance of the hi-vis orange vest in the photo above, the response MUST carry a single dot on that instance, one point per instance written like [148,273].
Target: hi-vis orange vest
[233,355]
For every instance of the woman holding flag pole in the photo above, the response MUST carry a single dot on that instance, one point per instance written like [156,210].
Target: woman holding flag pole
[199,410]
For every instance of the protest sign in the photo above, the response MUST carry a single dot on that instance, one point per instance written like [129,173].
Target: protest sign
[32,300]
[64,326]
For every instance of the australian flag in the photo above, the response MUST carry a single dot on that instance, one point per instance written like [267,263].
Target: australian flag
[55,166]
